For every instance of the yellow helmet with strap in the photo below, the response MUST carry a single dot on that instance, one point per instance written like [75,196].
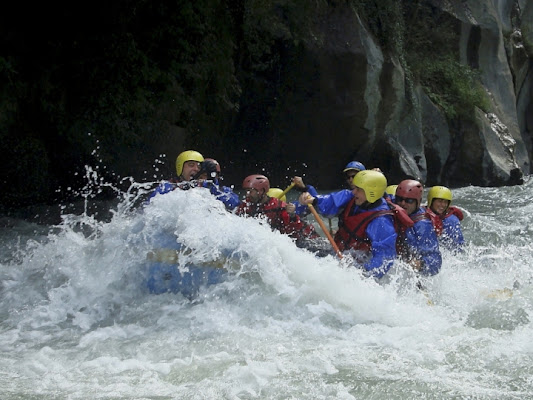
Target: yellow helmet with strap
[372,182]
[189,155]
[439,192]
[276,192]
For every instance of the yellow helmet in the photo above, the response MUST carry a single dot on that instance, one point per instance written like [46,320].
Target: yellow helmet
[276,192]
[189,155]
[372,182]
[391,189]
[439,192]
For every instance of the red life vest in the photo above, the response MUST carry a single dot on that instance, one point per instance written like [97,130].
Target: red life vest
[352,228]
[437,219]
[277,216]
[402,248]
[452,210]
[402,220]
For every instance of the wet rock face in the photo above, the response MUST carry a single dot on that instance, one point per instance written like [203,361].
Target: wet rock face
[339,93]
[347,98]
[378,120]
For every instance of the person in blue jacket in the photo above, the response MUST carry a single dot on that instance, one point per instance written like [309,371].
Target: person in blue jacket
[188,164]
[209,177]
[192,171]
[339,197]
[417,245]
[446,218]
[366,222]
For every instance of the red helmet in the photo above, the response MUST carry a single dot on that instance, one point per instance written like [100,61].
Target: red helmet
[257,182]
[410,189]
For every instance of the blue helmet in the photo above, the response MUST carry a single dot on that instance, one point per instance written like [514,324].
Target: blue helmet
[354,165]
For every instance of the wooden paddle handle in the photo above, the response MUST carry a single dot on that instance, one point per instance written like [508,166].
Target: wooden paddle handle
[325,229]
[286,190]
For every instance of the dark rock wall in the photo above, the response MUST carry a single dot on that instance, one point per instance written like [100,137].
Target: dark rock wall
[276,87]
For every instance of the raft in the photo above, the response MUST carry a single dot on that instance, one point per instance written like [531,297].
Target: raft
[166,275]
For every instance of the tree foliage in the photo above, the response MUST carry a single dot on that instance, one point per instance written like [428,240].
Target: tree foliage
[122,69]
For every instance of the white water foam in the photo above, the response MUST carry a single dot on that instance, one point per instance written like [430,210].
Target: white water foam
[77,321]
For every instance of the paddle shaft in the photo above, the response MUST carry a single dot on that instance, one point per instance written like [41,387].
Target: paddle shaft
[325,230]
[286,190]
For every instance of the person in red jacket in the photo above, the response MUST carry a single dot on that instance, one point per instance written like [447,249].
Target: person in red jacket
[258,203]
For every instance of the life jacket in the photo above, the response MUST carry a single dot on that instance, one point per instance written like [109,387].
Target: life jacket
[276,212]
[402,220]
[305,230]
[352,228]
[437,219]
[272,210]
[402,248]
[277,216]
[452,210]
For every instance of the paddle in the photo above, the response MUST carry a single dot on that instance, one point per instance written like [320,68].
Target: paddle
[330,225]
[285,191]
[498,294]
[325,230]
[424,291]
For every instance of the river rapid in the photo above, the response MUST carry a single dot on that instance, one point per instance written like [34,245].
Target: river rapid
[77,322]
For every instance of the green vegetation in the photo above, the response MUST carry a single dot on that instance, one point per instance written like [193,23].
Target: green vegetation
[425,41]
[125,70]
[452,86]
[432,54]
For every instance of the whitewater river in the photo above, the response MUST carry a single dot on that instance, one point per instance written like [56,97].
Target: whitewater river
[76,321]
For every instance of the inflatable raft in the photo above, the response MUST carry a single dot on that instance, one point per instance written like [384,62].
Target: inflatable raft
[166,275]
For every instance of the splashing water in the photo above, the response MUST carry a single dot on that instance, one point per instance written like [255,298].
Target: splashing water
[77,320]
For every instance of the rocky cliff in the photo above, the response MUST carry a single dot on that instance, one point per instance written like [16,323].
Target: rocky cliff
[436,90]
[456,112]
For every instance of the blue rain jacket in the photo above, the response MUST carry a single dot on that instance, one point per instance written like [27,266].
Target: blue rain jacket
[222,193]
[304,210]
[382,237]
[422,243]
[451,237]
[380,230]
[164,187]
[328,205]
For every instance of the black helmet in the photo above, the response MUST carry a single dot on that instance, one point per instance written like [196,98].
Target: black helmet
[210,167]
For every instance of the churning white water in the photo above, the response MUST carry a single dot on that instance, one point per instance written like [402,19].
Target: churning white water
[77,322]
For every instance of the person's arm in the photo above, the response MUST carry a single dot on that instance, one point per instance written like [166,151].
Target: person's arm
[164,187]
[330,205]
[452,233]
[292,225]
[225,195]
[302,187]
[302,209]
[425,246]
[382,236]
